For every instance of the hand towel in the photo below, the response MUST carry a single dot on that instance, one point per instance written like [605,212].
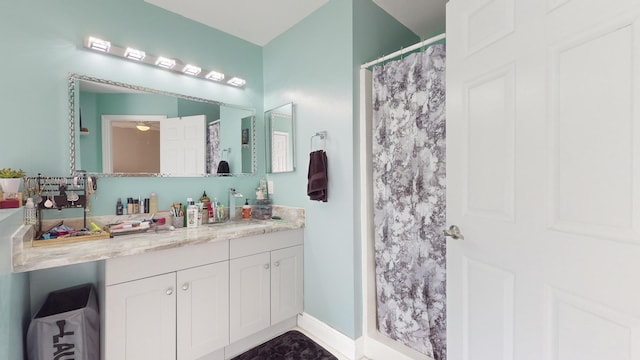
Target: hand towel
[223,168]
[317,176]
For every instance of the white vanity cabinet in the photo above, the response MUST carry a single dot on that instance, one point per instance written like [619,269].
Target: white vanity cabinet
[266,282]
[201,301]
[141,319]
[181,314]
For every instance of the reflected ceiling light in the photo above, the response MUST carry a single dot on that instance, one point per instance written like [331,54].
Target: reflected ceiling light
[134,54]
[236,81]
[215,76]
[165,63]
[191,70]
[143,127]
[98,44]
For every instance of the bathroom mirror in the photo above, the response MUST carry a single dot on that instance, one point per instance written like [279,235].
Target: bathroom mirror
[280,139]
[118,129]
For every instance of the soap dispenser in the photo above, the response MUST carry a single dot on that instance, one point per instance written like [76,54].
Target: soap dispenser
[246,210]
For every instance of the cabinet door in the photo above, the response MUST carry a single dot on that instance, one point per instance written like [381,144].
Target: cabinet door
[140,319]
[286,283]
[249,295]
[203,310]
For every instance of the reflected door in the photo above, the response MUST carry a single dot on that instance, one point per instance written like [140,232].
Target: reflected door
[182,145]
[280,151]
[543,150]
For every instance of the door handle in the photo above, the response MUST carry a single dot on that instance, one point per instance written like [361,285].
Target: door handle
[454,233]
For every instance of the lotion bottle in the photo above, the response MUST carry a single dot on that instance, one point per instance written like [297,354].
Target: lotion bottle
[192,214]
[30,217]
[153,203]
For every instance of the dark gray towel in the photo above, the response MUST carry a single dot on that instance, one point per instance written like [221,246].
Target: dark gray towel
[317,176]
[223,167]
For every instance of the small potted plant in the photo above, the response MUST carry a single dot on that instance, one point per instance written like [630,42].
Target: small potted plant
[10,181]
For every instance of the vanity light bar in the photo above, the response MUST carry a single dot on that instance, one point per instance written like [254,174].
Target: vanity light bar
[134,54]
[236,81]
[215,76]
[166,63]
[191,70]
[98,44]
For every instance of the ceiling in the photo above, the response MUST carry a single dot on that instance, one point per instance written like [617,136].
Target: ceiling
[261,21]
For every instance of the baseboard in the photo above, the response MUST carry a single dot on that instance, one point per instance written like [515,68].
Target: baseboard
[334,339]
[365,347]
[258,338]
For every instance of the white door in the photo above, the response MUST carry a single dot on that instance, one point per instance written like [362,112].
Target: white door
[249,295]
[280,151]
[140,319]
[203,310]
[543,154]
[286,283]
[182,145]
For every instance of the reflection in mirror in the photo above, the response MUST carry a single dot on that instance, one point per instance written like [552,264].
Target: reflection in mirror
[125,130]
[280,139]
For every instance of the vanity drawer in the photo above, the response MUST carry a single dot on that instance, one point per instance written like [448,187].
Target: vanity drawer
[251,245]
[128,268]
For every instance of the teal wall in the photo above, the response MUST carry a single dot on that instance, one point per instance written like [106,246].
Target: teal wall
[315,66]
[14,292]
[45,46]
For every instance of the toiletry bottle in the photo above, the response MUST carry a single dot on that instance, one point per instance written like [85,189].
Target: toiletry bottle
[129,206]
[214,207]
[30,212]
[146,205]
[136,206]
[204,199]
[200,207]
[119,207]
[192,214]
[153,203]
[246,210]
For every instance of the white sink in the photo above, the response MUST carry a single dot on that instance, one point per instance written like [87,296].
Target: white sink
[237,226]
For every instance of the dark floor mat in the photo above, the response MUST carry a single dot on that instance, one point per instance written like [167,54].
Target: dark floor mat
[292,345]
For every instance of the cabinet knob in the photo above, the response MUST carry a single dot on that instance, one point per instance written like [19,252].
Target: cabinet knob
[185,286]
[276,264]
[266,266]
[169,291]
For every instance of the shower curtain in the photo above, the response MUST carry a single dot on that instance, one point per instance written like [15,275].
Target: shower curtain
[409,199]
[213,147]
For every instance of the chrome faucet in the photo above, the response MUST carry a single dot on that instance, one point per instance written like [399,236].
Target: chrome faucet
[233,194]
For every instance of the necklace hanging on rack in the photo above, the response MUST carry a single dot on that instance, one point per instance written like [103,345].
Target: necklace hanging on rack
[38,198]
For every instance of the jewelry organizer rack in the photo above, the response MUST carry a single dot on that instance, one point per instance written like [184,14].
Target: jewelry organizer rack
[59,193]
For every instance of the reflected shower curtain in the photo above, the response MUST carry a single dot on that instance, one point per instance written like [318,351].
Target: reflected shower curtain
[213,147]
[409,199]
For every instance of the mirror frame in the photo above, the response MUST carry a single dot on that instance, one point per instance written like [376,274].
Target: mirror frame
[268,128]
[74,78]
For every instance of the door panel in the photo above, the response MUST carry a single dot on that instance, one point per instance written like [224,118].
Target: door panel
[543,135]
[286,283]
[250,290]
[203,310]
[182,145]
[488,298]
[140,319]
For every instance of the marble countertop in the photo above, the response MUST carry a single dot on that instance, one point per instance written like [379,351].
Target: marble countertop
[27,258]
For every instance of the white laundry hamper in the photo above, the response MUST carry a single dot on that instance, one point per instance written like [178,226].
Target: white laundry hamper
[66,327]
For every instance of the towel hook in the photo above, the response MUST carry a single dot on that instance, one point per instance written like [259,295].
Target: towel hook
[323,136]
